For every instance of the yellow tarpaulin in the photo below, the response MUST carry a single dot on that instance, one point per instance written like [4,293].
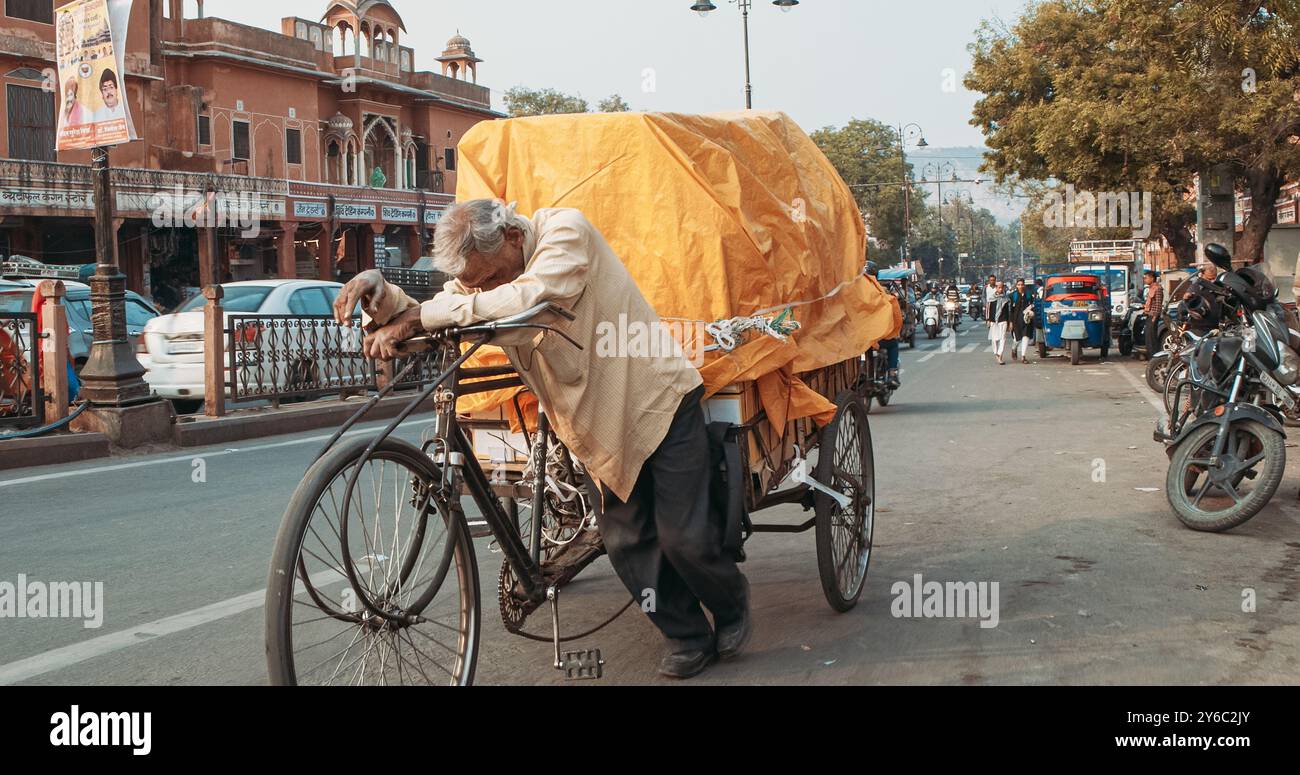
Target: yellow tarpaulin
[716,217]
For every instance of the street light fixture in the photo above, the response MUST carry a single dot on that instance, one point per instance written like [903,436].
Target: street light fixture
[703,7]
[904,134]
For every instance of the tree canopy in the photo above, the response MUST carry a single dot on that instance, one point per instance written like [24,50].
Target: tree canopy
[1135,96]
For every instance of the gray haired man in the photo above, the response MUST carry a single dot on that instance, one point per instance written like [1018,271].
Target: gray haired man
[634,420]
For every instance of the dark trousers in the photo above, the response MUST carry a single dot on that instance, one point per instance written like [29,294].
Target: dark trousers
[1152,332]
[665,542]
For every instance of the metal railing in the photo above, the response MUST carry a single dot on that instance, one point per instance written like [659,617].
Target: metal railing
[301,357]
[294,356]
[22,401]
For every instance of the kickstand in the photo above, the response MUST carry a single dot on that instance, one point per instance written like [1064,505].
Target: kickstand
[577,665]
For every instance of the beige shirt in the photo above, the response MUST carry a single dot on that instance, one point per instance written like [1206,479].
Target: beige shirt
[611,405]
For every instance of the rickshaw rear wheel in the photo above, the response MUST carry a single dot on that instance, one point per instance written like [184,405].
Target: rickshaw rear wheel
[1042,351]
[1076,352]
[1125,346]
[845,463]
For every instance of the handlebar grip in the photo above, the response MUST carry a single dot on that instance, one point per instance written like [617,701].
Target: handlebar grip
[415,345]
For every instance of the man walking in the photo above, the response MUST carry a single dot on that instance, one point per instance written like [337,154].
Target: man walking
[1022,321]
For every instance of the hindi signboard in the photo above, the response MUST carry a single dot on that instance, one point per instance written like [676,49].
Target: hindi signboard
[90,41]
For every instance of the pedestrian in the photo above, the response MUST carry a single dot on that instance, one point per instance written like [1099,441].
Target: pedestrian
[1022,320]
[999,319]
[1154,308]
[990,290]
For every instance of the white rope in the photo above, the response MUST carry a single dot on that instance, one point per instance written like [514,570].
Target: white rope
[726,332]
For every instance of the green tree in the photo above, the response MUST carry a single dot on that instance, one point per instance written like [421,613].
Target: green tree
[522,101]
[866,154]
[1131,95]
[613,104]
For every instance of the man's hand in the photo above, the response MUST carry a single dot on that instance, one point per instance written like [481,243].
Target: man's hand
[363,288]
[383,344]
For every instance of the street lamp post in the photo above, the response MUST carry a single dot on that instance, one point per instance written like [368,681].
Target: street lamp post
[957,199]
[112,375]
[904,134]
[703,7]
[938,172]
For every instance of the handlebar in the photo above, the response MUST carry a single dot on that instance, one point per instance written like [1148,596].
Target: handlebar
[490,328]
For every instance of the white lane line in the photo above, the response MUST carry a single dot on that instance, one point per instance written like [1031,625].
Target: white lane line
[928,356]
[970,348]
[189,458]
[1157,403]
[67,656]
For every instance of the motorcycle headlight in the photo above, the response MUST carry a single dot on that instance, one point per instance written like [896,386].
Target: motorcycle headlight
[1096,316]
[1053,317]
[950,305]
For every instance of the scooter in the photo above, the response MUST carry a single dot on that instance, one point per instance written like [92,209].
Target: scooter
[931,316]
[975,305]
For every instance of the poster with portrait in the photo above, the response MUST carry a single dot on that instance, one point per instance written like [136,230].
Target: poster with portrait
[90,44]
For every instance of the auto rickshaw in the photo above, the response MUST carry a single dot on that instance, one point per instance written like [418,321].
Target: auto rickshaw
[901,283]
[1074,313]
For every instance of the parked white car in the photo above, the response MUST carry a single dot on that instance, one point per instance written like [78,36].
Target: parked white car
[281,357]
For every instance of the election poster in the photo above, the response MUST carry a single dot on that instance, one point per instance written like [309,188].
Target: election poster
[90,43]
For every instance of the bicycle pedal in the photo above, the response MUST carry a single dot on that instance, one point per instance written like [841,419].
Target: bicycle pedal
[582,665]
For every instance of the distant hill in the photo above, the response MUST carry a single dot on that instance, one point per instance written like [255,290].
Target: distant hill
[966,161]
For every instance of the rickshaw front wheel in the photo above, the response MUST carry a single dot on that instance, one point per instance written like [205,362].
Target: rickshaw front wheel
[1076,352]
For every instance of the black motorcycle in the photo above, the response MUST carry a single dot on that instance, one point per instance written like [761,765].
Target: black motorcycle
[873,380]
[1225,436]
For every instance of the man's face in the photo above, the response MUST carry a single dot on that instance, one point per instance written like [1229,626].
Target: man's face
[488,272]
[1002,288]
[993,280]
[108,90]
[1210,272]
[1020,286]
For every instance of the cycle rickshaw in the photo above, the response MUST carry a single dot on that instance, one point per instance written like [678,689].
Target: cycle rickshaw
[375,575]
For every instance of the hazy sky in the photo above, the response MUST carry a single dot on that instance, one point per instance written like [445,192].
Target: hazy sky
[823,62]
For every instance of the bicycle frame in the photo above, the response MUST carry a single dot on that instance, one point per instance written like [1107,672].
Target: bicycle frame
[456,457]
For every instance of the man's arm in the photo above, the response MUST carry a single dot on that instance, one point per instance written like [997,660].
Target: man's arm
[558,272]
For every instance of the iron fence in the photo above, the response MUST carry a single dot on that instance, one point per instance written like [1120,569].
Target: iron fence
[22,402]
[300,357]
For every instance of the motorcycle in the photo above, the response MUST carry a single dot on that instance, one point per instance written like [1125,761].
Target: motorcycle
[975,304]
[931,317]
[874,379]
[951,314]
[1225,437]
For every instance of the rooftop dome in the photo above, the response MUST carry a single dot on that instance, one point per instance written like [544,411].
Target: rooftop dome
[458,42]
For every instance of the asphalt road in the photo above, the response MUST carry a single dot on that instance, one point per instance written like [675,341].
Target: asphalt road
[985,473]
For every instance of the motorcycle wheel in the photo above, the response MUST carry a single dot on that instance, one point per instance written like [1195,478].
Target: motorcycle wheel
[1158,372]
[1076,352]
[1253,447]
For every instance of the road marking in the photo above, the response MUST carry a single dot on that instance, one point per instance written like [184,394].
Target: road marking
[190,458]
[67,656]
[928,356]
[970,348]
[1157,403]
